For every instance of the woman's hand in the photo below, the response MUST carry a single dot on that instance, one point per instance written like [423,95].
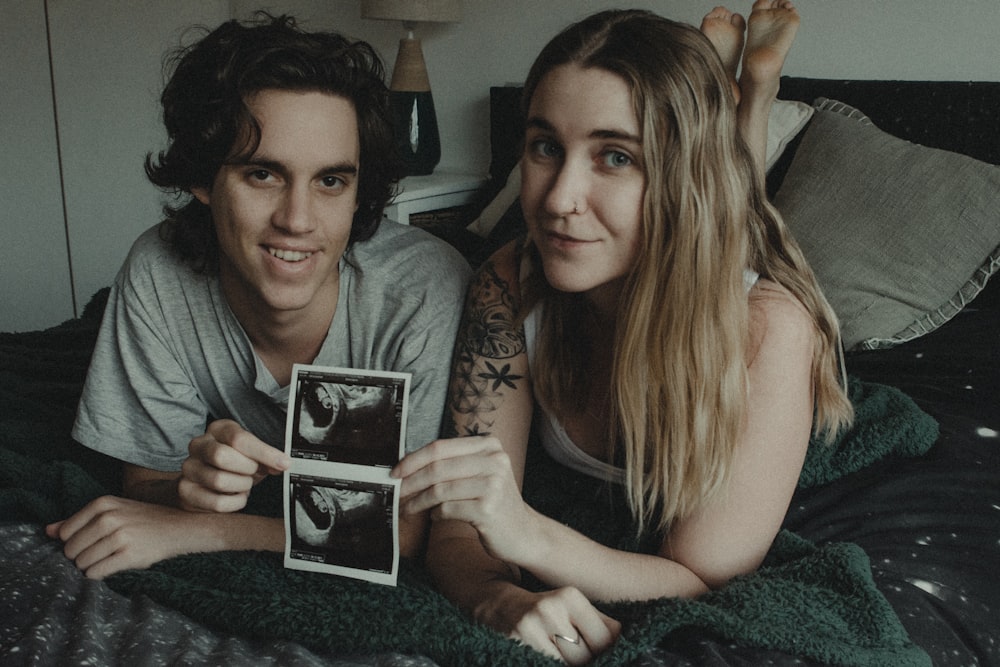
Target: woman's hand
[223,466]
[470,480]
[560,623]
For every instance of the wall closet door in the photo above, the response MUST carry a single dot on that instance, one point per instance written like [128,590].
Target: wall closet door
[35,289]
[108,58]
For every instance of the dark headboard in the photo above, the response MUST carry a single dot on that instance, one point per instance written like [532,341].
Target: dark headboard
[963,117]
[506,131]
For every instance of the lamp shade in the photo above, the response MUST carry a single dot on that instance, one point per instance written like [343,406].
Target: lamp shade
[415,126]
[438,11]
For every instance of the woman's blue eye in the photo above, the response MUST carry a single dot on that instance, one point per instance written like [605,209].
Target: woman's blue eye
[617,159]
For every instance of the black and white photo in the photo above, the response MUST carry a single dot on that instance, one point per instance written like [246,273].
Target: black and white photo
[348,418]
[343,524]
[344,432]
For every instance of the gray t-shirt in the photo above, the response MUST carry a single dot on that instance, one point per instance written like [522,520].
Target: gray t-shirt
[171,355]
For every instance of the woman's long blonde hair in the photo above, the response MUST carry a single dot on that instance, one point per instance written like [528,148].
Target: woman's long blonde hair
[679,379]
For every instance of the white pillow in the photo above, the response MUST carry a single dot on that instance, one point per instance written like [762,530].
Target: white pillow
[787,118]
[490,215]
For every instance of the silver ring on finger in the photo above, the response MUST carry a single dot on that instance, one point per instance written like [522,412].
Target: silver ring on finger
[575,641]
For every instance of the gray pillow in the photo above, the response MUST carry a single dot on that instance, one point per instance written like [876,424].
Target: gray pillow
[900,236]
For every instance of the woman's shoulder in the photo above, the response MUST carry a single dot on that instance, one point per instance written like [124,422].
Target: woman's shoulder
[505,262]
[778,320]
[501,271]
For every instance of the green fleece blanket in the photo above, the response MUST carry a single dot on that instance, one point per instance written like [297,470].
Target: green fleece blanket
[814,601]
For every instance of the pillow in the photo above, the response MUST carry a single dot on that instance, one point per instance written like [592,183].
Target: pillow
[901,236]
[507,197]
[785,121]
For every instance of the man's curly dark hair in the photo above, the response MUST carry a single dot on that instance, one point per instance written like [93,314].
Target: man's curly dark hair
[205,113]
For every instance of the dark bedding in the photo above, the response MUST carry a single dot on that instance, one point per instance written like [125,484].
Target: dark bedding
[889,555]
[927,526]
[816,600]
[931,525]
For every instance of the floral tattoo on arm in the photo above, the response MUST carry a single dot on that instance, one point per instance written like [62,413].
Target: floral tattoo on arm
[486,340]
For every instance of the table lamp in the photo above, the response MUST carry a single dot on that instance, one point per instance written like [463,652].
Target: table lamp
[414,120]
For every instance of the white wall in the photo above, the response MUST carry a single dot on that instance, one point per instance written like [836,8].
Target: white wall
[106,75]
[107,67]
[107,64]
[497,40]
[34,266]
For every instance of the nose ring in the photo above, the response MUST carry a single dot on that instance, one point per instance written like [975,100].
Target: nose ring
[576,208]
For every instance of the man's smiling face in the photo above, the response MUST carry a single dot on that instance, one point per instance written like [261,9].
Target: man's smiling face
[283,214]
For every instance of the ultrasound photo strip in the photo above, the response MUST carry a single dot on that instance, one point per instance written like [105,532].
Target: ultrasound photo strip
[345,430]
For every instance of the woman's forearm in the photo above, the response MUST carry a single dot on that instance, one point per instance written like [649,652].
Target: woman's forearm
[487,588]
[467,575]
[561,556]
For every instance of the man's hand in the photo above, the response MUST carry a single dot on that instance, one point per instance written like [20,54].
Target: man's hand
[112,534]
[223,466]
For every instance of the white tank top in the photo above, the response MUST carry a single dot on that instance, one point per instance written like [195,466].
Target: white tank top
[554,437]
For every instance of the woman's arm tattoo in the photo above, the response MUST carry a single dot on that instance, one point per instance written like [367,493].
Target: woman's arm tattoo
[486,339]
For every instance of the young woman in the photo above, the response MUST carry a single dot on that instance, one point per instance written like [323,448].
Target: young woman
[658,315]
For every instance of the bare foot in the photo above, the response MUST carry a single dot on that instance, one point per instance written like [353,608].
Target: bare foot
[725,30]
[771,30]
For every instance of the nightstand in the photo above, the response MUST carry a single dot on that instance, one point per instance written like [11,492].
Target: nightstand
[441,190]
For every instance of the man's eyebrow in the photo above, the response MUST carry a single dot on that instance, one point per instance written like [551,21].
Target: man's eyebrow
[278,167]
[539,123]
[254,161]
[341,168]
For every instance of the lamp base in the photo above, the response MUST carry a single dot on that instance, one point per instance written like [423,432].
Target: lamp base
[416,130]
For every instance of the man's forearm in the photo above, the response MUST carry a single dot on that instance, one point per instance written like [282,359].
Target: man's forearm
[159,490]
[162,490]
[248,532]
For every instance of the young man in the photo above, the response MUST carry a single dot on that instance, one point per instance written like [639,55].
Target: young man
[281,149]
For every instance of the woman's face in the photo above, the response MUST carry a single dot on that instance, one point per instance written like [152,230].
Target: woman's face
[583,180]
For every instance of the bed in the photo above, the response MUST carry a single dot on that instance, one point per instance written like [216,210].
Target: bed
[890,550]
